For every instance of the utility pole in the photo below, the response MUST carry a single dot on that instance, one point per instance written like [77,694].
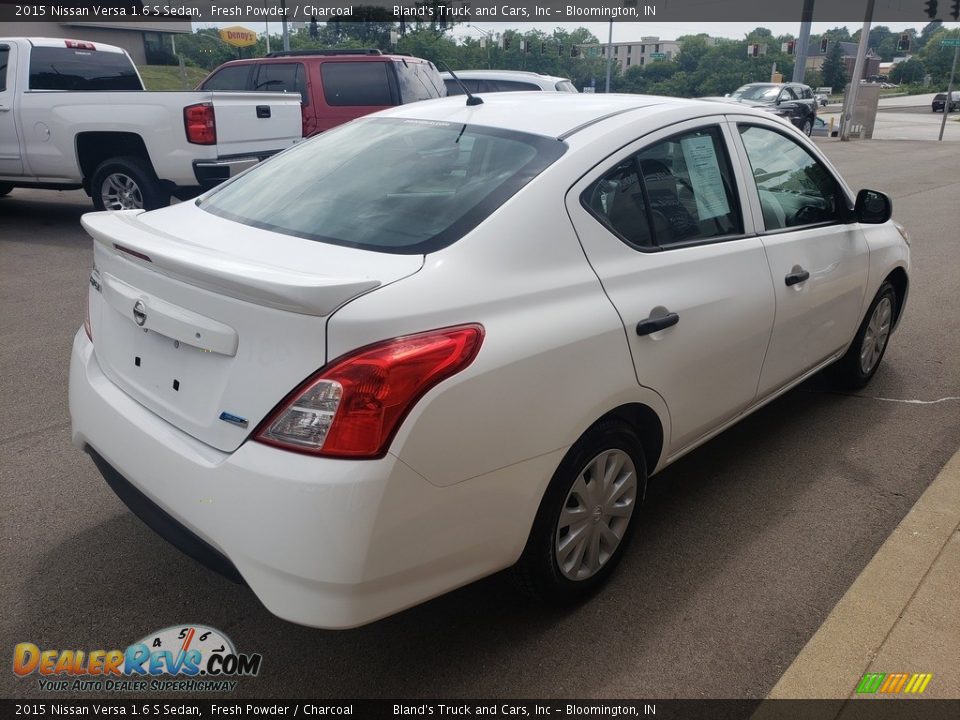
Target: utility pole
[286,32]
[850,103]
[803,42]
[609,55]
[953,71]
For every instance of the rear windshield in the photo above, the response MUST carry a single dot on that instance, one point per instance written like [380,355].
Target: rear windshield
[385,184]
[418,81]
[566,86]
[65,68]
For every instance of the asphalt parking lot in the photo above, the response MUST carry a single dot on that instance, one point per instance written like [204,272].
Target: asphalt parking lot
[745,545]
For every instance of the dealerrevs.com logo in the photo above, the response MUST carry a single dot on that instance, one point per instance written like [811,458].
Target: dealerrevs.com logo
[182,658]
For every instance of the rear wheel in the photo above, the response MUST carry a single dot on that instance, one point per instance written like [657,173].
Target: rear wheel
[855,369]
[127,183]
[807,127]
[586,517]
[5,189]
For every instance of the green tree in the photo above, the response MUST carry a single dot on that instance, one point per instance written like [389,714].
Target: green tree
[833,70]
[937,58]
[909,71]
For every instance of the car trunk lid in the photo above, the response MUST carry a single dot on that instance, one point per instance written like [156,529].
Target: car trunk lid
[211,324]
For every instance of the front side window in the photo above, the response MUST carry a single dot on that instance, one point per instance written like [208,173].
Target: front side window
[391,185]
[356,84]
[679,190]
[795,188]
[760,93]
[53,68]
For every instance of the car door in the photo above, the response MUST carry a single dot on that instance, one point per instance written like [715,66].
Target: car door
[11,163]
[661,224]
[819,261]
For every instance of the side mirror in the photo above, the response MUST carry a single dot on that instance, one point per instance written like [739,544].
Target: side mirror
[873,207]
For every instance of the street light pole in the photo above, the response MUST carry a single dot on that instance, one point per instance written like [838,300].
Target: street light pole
[609,55]
[850,103]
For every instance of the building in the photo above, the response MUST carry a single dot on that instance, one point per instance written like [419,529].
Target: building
[871,62]
[640,52]
[148,43]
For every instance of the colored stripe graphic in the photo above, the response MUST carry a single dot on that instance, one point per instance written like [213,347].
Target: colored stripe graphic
[870,682]
[893,683]
[918,683]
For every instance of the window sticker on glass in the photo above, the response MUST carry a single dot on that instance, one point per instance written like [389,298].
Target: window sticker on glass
[704,169]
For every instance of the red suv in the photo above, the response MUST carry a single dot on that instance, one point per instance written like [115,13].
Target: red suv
[335,85]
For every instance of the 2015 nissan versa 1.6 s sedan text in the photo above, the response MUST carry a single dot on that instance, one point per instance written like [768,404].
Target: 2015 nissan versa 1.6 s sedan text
[455,337]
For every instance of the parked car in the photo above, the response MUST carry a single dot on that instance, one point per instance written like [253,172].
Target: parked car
[266,375]
[486,81]
[74,114]
[793,101]
[822,99]
[940,99]
[336,86]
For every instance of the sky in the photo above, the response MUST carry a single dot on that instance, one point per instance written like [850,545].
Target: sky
[629,31]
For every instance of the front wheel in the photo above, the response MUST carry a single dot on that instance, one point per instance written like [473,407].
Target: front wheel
[861,361]
[586,517]
[127,183]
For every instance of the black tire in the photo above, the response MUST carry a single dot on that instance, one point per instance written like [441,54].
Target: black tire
[539,573]
[146,191]
[848,372]
[807,128]
[5,189]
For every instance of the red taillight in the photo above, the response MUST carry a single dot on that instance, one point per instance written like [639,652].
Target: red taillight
[200,122]
[353,407]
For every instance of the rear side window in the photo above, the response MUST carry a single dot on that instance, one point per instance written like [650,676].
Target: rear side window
[4,54]
[512,85]
[416,82]
[453,87]
[356,83]
[281,77]
[679,190]
[235,77]
[65,68]
[385,184]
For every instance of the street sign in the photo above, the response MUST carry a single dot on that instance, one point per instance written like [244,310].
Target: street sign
[951,42]
[658,56]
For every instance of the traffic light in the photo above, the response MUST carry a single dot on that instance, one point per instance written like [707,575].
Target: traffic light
[823,45]
[574,51]
[789,46]
[506,43]
[560,49]
[314,30]
[904,42]
[525,46]
[955,10]
[543,48]
[931,7]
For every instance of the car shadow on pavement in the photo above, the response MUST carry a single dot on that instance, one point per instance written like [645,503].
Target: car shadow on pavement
[726,534]
[22,219]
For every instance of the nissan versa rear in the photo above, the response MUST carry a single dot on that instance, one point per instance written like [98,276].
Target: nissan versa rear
[448,339]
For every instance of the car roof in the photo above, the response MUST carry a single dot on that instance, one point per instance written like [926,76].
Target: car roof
[503,75]
[553,114]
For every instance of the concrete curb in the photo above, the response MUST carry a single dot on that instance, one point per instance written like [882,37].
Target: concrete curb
[903,609]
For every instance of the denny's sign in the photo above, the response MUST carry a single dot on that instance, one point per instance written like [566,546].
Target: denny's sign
[238,36]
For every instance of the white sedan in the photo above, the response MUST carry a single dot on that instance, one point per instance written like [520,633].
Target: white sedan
[448,339]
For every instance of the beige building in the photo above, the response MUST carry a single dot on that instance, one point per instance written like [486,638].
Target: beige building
[639,52]
[149,43]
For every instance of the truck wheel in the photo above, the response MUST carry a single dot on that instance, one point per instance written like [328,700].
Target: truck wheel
[5,189]
[127,183]
[807,128]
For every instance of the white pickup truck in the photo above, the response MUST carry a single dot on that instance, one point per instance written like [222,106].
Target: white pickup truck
[74,114]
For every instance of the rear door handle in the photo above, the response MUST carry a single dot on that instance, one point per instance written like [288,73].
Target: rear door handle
[263,111]
[797,277]
[652,325]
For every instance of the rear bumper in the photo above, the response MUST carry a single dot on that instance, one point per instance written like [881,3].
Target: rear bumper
[321,542]
[210,173]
